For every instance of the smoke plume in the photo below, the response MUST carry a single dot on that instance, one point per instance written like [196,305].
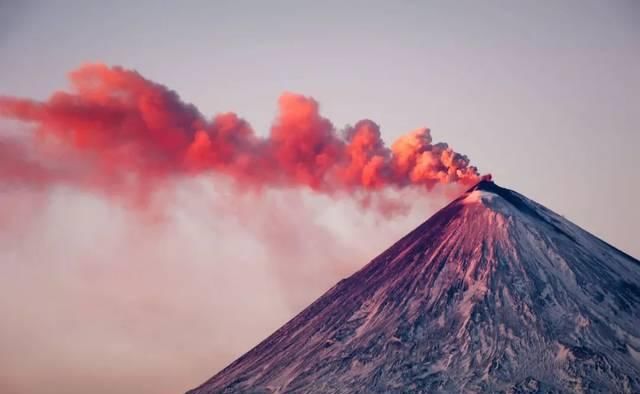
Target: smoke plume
[95,295]
[116,130]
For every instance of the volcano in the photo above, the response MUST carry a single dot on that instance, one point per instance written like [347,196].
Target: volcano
[494,293]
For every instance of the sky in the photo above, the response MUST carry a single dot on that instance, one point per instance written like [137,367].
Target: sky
[542,95]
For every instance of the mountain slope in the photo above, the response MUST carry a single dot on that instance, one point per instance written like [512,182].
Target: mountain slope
[494,293]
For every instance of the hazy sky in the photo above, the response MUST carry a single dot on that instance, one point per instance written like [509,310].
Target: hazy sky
[544,95]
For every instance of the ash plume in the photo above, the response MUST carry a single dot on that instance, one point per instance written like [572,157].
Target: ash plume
[114,129]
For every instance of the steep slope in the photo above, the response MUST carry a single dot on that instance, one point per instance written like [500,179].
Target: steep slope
[494,293]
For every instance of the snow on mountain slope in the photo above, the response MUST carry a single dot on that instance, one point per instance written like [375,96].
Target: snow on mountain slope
[494,293]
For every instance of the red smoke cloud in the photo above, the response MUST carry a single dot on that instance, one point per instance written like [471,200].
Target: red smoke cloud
[126,130]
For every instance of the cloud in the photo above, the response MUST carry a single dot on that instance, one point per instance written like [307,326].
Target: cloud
[95,297]
[126,132]
[144,246]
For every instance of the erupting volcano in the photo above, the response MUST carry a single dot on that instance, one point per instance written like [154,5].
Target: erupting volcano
[494,293]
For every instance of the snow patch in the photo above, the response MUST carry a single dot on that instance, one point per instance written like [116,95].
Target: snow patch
[634,353]
[564,354]
[478,196]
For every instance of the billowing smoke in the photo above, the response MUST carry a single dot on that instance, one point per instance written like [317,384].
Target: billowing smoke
[95,295]
[116,130]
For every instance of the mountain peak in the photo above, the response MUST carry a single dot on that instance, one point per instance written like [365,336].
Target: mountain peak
[486,189]
[486,183]
[503,296]
[509,202]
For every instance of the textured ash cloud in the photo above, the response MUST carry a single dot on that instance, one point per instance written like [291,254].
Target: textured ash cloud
[143,246]
[129,131]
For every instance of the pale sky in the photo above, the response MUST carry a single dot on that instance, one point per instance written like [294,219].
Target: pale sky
[544,95]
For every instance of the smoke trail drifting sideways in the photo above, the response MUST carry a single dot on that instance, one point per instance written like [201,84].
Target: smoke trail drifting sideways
[125,129]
